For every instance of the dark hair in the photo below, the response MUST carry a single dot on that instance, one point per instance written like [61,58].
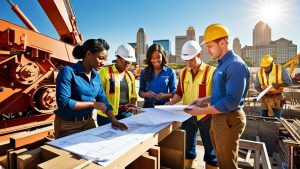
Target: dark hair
[92,45]
[219,39]
[149,68]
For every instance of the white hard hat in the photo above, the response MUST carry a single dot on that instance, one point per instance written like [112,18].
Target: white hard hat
[126,52]
[190,49]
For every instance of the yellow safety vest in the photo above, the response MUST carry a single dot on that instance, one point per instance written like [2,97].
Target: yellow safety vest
[111,85]
[275,76]
[199,87]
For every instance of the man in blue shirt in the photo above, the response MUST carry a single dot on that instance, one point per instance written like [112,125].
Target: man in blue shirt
[230,86]
[79,90]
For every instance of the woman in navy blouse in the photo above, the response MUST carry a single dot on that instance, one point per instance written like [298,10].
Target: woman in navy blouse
[79,90]
[157,80]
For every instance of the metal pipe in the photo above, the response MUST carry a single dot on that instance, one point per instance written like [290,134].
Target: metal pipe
[21,15]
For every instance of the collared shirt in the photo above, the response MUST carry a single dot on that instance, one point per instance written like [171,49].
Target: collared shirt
[230,83]
[193,86]
[165,82]
[284,75]
[73,85]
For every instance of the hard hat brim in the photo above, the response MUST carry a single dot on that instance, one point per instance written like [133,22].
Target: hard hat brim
[131,59]
[188,57]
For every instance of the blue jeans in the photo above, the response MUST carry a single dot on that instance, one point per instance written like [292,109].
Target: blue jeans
[101,120]
[191,127]
[277,113]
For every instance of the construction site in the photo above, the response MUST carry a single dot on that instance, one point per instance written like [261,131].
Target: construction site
[29,64]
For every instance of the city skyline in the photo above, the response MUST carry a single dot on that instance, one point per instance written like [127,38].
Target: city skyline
[119,21]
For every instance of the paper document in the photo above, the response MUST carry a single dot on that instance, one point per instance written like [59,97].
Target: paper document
[172,107]
[261,94]
[165,114]
[103,144]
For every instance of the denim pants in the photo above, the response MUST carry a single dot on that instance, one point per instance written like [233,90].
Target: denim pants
[101,120]
[191,127]
[277,113]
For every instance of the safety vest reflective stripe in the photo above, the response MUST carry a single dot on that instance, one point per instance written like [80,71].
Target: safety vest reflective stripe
[183,77]
[201,83]
[111,83]
[274,76]
[131,81]
[202,86]
[111,80]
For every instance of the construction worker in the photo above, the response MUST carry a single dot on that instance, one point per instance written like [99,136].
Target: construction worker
[157,80]
[271,74]
[119,85]
[79,90]
[229,89]
[195,81]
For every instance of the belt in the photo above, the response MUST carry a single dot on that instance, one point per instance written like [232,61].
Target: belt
[236,110]
[82,118]
[273,94]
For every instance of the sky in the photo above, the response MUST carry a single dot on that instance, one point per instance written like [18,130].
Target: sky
[117,21]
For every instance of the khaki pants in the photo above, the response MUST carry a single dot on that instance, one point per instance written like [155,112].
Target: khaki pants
[64,128]
[225,132]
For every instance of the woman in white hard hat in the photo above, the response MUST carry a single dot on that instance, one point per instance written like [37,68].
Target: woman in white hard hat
[119,85]
[157,80]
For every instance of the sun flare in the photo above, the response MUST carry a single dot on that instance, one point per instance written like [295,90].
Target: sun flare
[271,11]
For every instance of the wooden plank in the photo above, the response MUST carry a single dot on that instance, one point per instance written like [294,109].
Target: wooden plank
[265,158]
[4,146]
[25,127]
[260,152]
[166,131]
[248,156]
[66,162]
[155,152]
[172,150]
[29,159]
[145,161]
[30,137]
[12,157]
[56,158]
[3,161]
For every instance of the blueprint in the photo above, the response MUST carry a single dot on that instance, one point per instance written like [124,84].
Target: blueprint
[104,144]
[263,93]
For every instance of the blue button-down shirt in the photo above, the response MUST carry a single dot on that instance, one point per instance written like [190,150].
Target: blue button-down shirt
[230,83]
[73,85]
[165,82]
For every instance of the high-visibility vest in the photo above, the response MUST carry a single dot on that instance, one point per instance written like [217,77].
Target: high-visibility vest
[275,76]
[111,85]
[199,87]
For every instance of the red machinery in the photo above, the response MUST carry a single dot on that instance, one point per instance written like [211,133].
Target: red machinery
[29,62]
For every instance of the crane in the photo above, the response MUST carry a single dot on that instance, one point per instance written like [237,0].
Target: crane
[29,63]
[292,65]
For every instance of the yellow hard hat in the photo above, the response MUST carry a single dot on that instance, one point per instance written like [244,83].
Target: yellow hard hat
[266,61]
[215,31]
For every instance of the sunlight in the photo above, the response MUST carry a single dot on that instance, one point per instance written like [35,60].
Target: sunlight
[271,11]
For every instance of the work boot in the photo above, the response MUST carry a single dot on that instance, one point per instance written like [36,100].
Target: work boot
[190,163]
[210,166]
